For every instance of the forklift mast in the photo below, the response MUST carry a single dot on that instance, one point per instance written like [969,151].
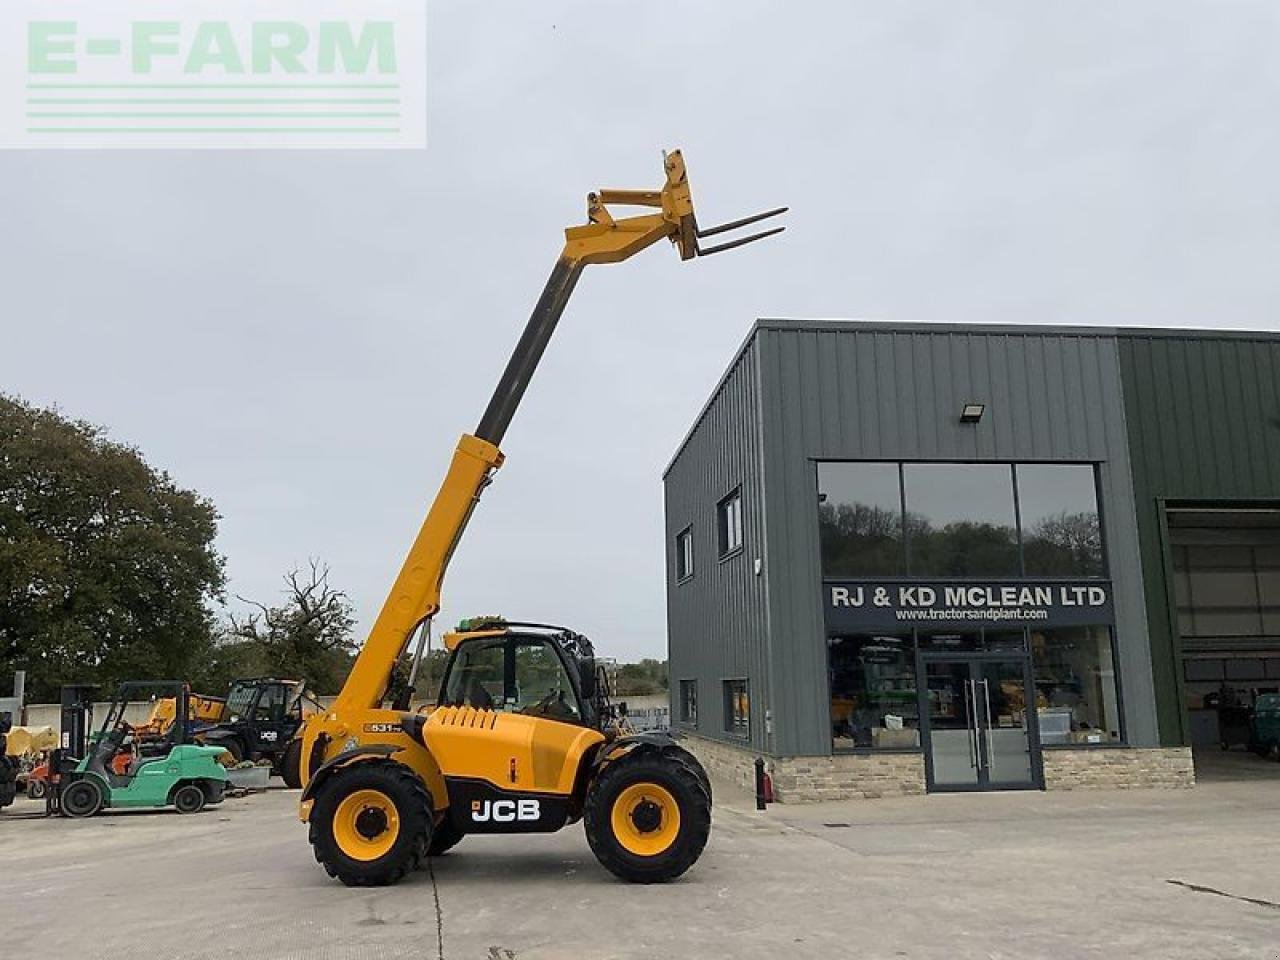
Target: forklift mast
[77,719]
[415,595]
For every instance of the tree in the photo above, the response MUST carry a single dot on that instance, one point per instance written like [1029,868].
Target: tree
[641,679]
[107,567]
[308,637]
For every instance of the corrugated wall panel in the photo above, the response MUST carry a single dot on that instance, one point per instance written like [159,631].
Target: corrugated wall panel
[1204,424]
[717,621]
[897,395]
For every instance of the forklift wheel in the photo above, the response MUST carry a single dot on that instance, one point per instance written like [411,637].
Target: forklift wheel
[82,799]
[188,799]
[36,789]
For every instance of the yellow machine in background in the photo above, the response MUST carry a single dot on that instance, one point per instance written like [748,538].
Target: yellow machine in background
[202,710]
[524,738]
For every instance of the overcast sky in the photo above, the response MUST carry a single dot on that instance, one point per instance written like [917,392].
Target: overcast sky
[302,336]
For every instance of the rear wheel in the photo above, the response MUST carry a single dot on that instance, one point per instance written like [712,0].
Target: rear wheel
[291,765]
[444,838]
[188,798]
[648,816]
[83,798]
[371,823]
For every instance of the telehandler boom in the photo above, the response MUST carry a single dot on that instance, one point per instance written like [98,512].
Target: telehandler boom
[523,738]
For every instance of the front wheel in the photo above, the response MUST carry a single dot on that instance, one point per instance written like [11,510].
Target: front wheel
[648,816]
[36,789]
[371,823]
[83,798]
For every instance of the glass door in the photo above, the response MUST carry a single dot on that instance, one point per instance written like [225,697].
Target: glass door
[979,732]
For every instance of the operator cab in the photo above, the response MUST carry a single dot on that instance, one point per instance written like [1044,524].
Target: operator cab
[533,669]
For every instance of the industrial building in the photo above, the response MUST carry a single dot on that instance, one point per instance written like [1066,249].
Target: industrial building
[908,558]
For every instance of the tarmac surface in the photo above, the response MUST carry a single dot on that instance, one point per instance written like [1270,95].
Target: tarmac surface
[1134,874]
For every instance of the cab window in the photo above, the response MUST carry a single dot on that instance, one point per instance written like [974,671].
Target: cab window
[271,704]
[476,677]
[239,700]
[542,686]
[512,675]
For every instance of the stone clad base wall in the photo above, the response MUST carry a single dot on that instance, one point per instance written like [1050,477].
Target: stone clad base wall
[871,776]
[1119,768]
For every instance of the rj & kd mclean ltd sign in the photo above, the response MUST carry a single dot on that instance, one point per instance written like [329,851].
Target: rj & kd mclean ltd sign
[887,604]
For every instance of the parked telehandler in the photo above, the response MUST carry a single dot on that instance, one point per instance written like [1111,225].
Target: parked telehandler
[523,739]
[259,720]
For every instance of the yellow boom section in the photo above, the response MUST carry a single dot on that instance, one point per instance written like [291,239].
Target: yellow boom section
[416,591]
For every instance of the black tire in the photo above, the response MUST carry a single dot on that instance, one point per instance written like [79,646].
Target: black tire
[399,786]
[671,770]
[36,789]
[189,798]
[82,798]
[444,838]
[291,765]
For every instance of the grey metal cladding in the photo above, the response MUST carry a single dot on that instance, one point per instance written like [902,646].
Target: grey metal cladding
[1204,420]
[846,390]
[717,620]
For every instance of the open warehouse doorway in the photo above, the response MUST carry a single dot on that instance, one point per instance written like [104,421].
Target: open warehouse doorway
[1226,576]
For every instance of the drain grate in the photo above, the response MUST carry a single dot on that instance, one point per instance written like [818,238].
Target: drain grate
[835,824]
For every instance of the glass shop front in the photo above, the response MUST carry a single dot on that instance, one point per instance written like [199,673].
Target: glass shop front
[968,615]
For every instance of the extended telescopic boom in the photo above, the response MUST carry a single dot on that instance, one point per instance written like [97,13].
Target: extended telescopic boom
[415,595]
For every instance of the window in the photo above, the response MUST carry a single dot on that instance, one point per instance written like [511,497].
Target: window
[1075,681]
[239,700]
[689,702]
[873,692]
[960,520]
[684,554]
[271,704]
[516,676]
[860,519]
[476,676]
[542,688]
[737,708]
[729,523]
[1058,508]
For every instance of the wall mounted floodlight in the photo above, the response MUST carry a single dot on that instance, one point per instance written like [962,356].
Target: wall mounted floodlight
[972,412]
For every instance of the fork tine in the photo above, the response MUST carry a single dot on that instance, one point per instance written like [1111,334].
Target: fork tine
[721,247]
[735,224]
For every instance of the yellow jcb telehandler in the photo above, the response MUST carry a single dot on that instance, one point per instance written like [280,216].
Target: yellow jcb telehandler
[523,739]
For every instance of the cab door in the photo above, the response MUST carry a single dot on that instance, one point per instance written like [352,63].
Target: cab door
[271,726]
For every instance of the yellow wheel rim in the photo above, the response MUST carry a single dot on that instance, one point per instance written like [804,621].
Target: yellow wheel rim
[366,825]
[646,819]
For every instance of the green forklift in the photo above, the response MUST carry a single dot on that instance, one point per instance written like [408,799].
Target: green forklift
[121,767]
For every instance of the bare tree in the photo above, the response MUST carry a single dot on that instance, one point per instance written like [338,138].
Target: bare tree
[310,635]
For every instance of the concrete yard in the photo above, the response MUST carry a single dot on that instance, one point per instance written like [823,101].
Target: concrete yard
[1139,874]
